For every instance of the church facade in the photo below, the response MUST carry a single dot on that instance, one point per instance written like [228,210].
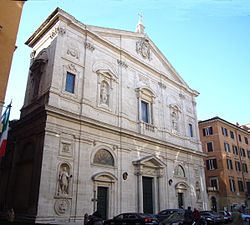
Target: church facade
[107,124]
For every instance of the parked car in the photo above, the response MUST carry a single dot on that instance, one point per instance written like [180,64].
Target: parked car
[212,217]
[177,218]
[132,219]
[245,217]
[227,216]
[167,212]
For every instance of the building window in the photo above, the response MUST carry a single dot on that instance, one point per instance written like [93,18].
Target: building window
[239,138]
[244,168]
[191,131]
[214,183]
[229,164]
[145,105]
[226,147]
[240,185]
[145,112]
[232,134]
[248,187]
[70,82]
[242,152]
[210,147]
[248,153]
[246,140]
[235,150]
[211,164]
[232,184]
[224,131]
[237,166]
[207,131]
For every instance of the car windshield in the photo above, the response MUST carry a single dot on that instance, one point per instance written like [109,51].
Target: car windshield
[176,216]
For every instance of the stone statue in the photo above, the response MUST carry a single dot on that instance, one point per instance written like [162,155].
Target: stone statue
[174,121]
[64,181]
[104,93]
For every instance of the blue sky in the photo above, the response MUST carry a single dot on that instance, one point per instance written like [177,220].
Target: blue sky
[207,42]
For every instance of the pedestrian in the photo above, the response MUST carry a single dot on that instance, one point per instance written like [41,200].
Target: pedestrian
[196,216]
[236,216]
[95,219]
[188,216]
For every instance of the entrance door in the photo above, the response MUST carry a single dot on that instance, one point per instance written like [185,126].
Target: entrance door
[213,204]
[147,194]
[102,201]
[180,200]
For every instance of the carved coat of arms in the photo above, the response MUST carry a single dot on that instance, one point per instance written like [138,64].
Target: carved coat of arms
[143,48]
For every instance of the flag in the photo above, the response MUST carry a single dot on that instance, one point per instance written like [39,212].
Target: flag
[5,128]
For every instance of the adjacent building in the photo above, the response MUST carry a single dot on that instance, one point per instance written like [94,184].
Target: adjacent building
[107,124]
[227,164]
[10,14]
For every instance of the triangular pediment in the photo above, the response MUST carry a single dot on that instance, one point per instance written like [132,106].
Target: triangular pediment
[150,161]
[140,47]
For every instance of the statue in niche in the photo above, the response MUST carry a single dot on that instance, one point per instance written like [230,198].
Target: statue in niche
[104,94]
[198,191]
[63,188]
[174,116]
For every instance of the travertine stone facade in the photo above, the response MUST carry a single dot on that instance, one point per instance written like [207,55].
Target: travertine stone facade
[121,131]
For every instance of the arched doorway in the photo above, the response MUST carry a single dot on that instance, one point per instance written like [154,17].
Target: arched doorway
[181,189]
[103,196]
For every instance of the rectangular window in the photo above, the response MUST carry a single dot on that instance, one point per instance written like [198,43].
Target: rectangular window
[226,147]
[214,183]
[248,187]
[207,131]
[211,164]
[244,168]
[145,112]
[242,152]
[237,166]
[70,82]
[229,164]
[191,132]
[232,134]
[240,185]
[246,140]
[239,138]
[235,150]
[224,131]
[248,153]
[210,146]
[232,184]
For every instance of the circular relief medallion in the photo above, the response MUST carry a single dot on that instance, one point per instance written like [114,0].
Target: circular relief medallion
[61,206]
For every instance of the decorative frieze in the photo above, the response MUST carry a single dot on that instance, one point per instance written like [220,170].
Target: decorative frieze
[89,46]
[56,31]
[72,52]
[122,63]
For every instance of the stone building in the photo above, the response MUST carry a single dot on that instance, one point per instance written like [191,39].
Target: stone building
[227,164]
[107,124]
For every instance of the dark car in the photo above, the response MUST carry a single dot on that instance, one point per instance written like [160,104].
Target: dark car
[212,217]
[167,212]
[132,219]
[177,218]
[227,216]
